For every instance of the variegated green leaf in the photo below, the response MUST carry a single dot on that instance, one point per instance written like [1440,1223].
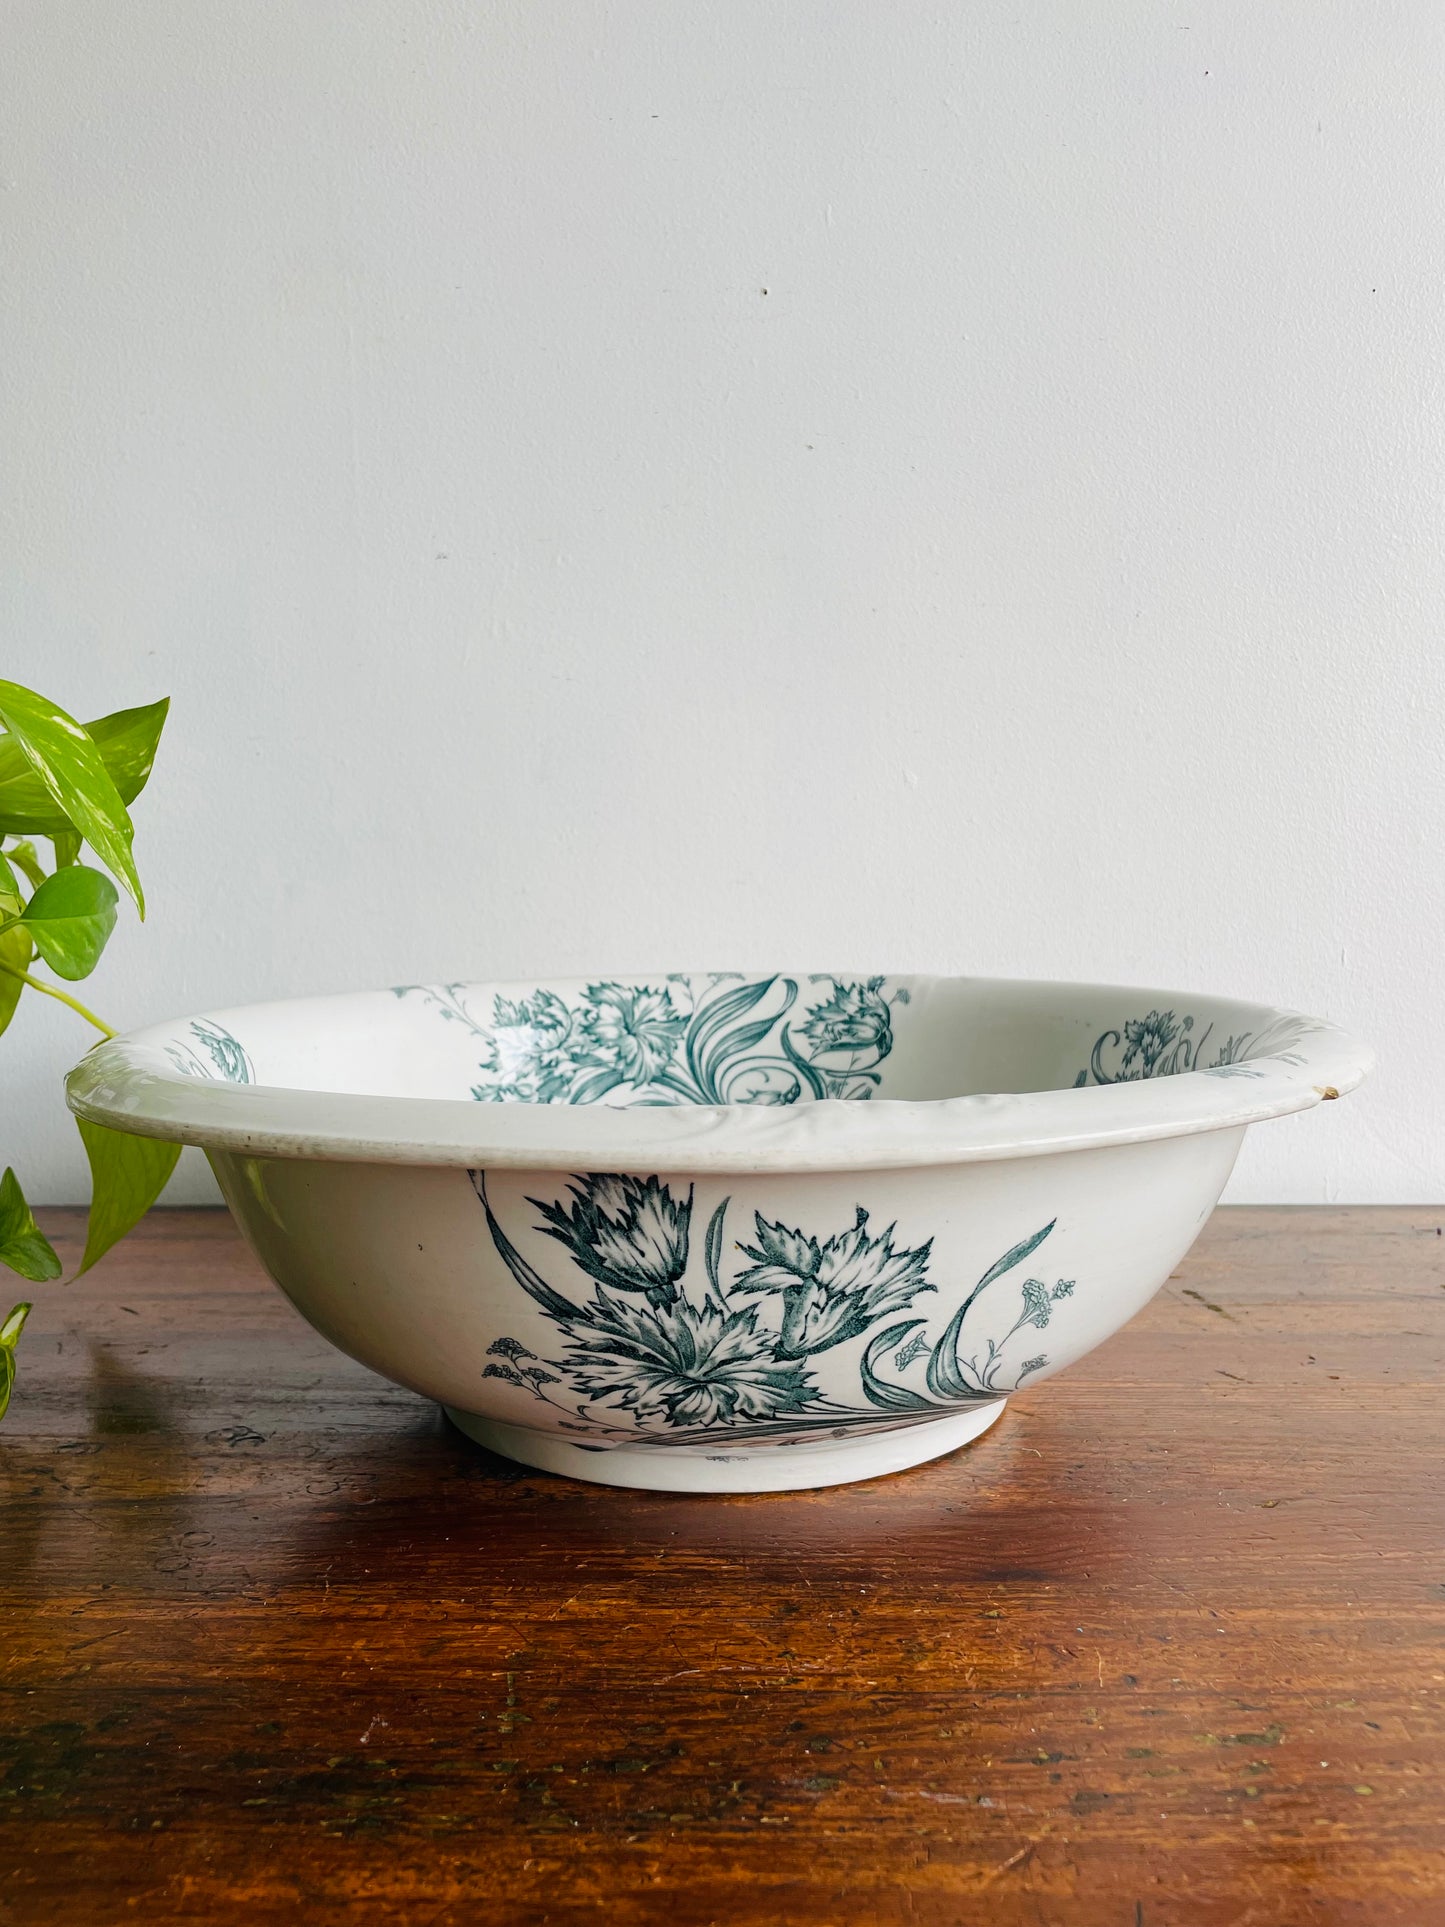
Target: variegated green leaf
[127,742]
[15,953]
[73,773]
[70,919]
[9,1334]
[127,1175]
[23,857]
[24,1247]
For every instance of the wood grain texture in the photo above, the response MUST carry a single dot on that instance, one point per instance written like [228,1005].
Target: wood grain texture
[1166,1648]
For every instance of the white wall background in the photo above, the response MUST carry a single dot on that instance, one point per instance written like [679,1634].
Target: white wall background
[622,486]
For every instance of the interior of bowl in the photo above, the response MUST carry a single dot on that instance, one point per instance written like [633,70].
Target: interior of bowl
[728,1038]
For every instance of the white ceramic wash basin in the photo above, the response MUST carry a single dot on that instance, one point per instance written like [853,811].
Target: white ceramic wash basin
[721,1232]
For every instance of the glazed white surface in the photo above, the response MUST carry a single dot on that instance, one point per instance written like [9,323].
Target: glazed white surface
[606,1271]
[393,1263]
[343,1070]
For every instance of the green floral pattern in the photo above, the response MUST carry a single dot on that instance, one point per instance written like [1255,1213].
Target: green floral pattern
[1161,1044]
[672,1340]
[721,1039]
[212,1053]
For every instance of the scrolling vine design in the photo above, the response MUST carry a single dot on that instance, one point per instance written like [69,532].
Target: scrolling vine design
[1164,1045]
[731,1041]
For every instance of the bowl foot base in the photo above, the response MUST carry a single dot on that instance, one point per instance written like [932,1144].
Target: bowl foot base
[773,1468]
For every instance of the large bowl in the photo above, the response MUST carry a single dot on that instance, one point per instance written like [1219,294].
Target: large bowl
[715,1232]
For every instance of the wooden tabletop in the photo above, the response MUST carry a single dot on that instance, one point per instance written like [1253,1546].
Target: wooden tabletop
[1166,1648]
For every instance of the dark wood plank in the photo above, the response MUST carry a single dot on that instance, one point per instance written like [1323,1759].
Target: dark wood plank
[1164,1649]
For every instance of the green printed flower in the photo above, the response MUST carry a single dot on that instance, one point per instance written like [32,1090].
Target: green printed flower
[1036,1305]
[629,1233]
[1039,1302]
[516,1371]
[765,1084]
[664,1043]
[833,1291]
[686,1364]
[527,1054]
[854,1019]
[633,1030]
[511,1348]
[1230,1051]
[1147,1038]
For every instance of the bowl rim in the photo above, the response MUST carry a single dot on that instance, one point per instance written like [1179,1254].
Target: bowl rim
[129,1084]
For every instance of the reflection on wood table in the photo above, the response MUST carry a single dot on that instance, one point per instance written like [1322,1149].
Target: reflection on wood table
[1166,1648]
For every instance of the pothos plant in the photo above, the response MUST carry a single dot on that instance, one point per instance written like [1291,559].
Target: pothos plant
[71,784]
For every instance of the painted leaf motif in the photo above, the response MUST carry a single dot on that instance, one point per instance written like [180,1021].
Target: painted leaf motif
[1024,1249]
[127,1175]
[878,1391]
[814,1079]
[526,1275]
[718,1012]
[597,1086]
[712,1247]
[70,919]
[74,775]
[711,1021]
[947,1377]
[733,1045]
[24,1247]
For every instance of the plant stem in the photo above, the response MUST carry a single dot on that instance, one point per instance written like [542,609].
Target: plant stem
[61,996]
